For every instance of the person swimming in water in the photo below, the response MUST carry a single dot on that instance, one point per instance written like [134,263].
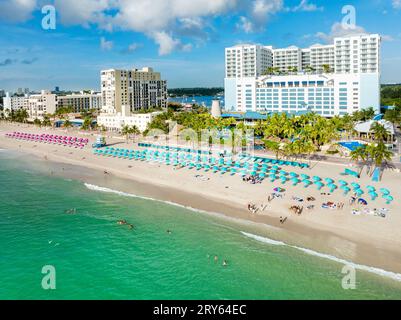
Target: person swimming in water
[121,222]
[131,226]
[169,232]
[216,258]
[71,211]
[225,263]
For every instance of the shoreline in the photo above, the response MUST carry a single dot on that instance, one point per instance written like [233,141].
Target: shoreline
[295,233]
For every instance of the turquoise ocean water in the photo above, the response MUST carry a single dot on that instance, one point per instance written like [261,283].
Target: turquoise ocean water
[95,258]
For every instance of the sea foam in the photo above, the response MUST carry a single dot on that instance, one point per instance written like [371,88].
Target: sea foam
[131,195]
[378,271]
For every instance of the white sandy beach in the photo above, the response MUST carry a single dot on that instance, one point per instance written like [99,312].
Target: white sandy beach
[365,239]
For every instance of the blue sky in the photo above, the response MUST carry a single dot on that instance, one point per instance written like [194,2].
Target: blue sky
[183,39]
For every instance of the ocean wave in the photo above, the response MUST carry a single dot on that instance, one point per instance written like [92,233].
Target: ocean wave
[131,195]
[263,239]
[378,271]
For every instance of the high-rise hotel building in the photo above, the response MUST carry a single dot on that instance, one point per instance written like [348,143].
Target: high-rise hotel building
[330,80]
[126,91]
[137,89]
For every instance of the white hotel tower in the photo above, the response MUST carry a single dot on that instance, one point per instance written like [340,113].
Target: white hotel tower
[330,80]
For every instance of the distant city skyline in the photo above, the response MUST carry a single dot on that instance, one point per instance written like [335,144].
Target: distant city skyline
[184,41]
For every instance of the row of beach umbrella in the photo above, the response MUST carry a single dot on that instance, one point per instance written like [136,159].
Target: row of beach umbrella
[242,167]
[49,138]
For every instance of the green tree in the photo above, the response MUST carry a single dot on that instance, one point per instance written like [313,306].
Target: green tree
[46,121]
[379,131]
[393,116]
[310,69]
[273,146]
[379,154]
[327,68]
[67,124]
[271,71]
[87,124]
[20,115]
[360,154]
[64,110]
[37,122]
[127,131]
[135,131]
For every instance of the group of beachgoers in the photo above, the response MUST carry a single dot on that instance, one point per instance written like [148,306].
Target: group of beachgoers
[125,223]
[216,260]
[253,208]
[252,179]
[332,205]
[373,212]
[297,209]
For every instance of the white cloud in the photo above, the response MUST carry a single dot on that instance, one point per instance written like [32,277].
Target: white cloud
[397,4]
[168,44]
[187,47]
[84,12]
[245,25]
[338,30]
[152,15]
[134,46]
[306,6]
[16,10]
[131,48]
[387,38]
[262,10]
[258,14]
[106,45]
[162,20]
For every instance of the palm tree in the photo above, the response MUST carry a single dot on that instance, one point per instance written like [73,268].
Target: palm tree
[102,128]
[126,130]
[269,71]
[309,69]
[380,154]
[135,131]
[87,124]
[326,68]
[46,121]
[393,116]
[67,124]
[273,146]
[380,132]
[292,69]
[367,114]
[360,154]
[37,122]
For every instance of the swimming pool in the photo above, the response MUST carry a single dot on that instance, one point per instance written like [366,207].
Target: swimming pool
[351,145]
